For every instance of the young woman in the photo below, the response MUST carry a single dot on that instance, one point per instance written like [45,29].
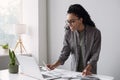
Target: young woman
[82,40]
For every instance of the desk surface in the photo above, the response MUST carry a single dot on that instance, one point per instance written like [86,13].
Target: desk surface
[33,73]
[5,75]
[62,74]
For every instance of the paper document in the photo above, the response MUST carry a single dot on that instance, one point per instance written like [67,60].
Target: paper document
[56,74]
[65,74]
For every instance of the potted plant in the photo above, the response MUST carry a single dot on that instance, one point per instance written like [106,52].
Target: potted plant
[5,48]
[13,66]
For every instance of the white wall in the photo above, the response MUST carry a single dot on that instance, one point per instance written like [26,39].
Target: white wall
[105,13]
[42,32]
[34,16]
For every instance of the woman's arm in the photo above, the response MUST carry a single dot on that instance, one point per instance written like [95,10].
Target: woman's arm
[96,47]
[64,53]
[53,66]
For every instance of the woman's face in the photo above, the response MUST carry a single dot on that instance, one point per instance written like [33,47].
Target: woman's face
[73,21]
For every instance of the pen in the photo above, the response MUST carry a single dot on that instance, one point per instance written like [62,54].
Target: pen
[45,65]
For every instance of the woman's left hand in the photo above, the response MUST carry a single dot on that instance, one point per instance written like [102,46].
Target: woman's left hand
[87,70]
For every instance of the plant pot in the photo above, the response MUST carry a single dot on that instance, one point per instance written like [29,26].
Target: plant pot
[13,68]
[6,51]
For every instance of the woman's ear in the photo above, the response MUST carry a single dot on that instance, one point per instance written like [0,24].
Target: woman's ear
[81,20]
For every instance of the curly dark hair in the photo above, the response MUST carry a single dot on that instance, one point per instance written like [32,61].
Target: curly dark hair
[80,12]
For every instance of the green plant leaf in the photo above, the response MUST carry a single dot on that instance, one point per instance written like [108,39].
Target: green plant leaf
[10,54]
[6,46]
[12,57]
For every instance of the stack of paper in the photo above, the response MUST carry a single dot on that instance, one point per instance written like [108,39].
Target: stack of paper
[62,74]
[65,75]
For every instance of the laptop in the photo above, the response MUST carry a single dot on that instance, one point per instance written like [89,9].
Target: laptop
[28,67]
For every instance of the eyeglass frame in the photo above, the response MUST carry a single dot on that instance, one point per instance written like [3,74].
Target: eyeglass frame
[70,22]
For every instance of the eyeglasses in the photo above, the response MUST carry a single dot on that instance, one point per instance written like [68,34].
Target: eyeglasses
[70,22]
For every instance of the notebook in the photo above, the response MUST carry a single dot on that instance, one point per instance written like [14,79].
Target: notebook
[28,67]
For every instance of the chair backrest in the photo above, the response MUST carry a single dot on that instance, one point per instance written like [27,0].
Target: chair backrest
[4,60]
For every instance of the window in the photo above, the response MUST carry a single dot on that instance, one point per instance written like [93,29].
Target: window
[10,14]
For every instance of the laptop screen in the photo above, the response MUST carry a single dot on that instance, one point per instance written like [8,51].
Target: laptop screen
[29,67]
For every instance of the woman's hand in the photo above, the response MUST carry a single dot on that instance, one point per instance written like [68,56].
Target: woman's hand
[51,67]
[87,70]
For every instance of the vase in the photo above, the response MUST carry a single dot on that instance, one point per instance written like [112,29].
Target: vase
[13,68]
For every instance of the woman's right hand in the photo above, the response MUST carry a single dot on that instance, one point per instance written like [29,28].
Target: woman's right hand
[51,67]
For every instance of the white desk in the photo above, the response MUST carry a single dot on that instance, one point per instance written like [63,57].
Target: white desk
[32,72]
[5,75]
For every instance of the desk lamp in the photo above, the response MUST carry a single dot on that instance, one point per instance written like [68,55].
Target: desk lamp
[19,30]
